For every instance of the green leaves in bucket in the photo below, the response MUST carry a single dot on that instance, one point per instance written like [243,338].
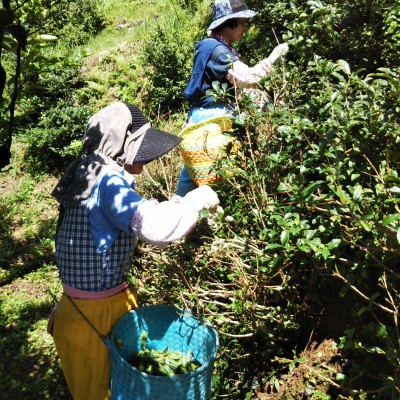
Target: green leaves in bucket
[165,363]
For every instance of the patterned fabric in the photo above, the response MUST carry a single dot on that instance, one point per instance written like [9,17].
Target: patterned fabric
[80,265]
[227,9]
[162,223]
[222,40]
[203,146]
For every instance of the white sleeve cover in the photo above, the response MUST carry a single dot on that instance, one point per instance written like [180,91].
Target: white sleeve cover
[240,73]
[162,223]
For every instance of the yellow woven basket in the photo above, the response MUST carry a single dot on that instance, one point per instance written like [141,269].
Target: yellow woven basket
[203,145]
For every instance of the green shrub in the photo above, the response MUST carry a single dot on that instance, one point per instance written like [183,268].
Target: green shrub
[363,33]
[51,116]
[317,195]
[55,139]
[311,249]
[167,56]
[73,22]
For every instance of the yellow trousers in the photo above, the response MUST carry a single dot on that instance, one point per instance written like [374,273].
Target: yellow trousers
[84,356]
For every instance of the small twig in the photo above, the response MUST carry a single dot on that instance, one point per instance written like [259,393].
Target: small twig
[157,184]
[244,335]
[356,290]
[395,307]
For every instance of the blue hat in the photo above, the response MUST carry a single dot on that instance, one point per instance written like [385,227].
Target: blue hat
[228,9]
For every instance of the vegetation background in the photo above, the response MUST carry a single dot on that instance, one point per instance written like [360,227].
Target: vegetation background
[300,275]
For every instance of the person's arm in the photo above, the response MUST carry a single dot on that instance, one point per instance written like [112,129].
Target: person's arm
[158,223]
[162,223]
[242,74]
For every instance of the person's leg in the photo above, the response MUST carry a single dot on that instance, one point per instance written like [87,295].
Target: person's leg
[185,183]
[84,356]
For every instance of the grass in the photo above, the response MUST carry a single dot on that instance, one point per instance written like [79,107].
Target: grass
[29,284]
[29,288]
[130,21]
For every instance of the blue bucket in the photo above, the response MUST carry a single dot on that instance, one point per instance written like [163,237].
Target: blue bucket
[166,326]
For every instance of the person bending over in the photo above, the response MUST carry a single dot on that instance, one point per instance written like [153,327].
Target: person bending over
[216,60]
[101,219]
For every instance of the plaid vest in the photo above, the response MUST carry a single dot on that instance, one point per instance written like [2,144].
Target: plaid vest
[80,264]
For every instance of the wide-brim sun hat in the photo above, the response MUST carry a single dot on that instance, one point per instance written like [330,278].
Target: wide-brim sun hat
[155,143]
[227,9]
[116,135]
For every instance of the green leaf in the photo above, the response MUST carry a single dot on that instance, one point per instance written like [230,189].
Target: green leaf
[382,332]
[366,225]
[375,350]
[340,376]
[325,253]
[143,339]
[333,244]
[344,198]
[311,188]
[357,195]
[273,246]
[283,187]
[46,38]
[390,218]
[344,66]
[285,129]
[285,236]
[394,189]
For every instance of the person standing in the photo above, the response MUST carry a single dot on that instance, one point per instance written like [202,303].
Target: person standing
[101,219]
[216,60]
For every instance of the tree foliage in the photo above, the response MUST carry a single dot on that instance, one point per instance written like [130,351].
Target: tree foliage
[28,30]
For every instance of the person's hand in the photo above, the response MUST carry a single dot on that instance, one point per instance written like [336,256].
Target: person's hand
[278,52]
[203,198]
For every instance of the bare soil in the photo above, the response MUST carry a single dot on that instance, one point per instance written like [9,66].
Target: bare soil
[315,374]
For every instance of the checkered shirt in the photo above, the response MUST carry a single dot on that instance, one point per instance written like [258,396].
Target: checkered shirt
[80,264]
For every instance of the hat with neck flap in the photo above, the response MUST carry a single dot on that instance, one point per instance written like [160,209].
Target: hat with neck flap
[228,9]
[116,135]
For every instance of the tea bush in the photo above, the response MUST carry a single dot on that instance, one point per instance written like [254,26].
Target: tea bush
[317,196]
[312,250]
[359,32]
[307,247]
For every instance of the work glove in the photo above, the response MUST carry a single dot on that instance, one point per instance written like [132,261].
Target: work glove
[203,198]
[278,52]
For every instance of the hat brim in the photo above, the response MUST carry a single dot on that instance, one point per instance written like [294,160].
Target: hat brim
[155,144]
[241,14]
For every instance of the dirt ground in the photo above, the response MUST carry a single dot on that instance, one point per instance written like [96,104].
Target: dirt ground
[314,374]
